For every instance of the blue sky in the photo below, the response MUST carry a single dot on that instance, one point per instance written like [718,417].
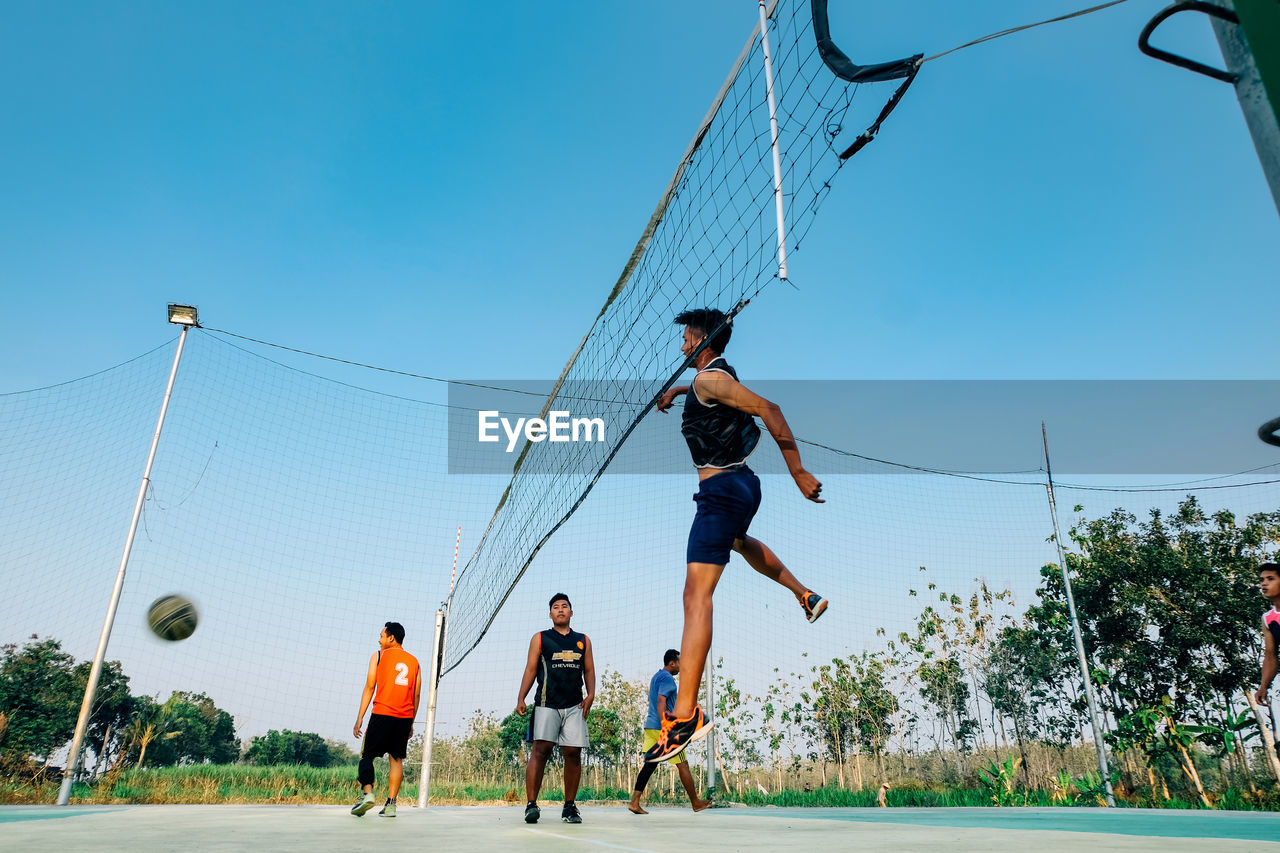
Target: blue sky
[451,190]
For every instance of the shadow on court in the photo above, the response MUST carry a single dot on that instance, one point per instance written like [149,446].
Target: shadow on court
[298,828]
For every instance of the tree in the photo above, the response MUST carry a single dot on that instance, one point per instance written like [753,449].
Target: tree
[289,747]
[148,724]
[606,740]
[198,732]
[874,704]
[493,744]
[1171,604]
[787,723]
[113,704]
[341,755]
[1013,677]
[621,706]
[941,679]
[39,698]
[734,716]
[512,739]
[943,686]
[832,701]
[1169,611]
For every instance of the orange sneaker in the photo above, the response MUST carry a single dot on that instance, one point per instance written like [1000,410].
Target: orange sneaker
[814,605]
[677,734]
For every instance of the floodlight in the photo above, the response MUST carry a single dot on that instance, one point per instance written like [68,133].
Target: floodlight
[183,315]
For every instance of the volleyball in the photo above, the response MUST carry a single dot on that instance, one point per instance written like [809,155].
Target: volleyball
[172,617]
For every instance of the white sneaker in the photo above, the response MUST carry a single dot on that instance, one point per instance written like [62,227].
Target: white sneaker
[362,805]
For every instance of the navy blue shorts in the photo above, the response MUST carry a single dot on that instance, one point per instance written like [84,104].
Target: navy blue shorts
[726,504]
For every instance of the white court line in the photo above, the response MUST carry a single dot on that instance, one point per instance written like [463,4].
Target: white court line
[588,841]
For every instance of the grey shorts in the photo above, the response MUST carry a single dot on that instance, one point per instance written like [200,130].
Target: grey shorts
[563,726]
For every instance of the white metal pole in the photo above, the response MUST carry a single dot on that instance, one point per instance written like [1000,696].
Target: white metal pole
[453,573]
[91,689]
[711,712]
[1259,113]
[773,129]
[448,603]
[1095,718]
[429,737]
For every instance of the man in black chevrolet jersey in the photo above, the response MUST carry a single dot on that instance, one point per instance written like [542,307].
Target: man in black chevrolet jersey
[719,426]
[560,660]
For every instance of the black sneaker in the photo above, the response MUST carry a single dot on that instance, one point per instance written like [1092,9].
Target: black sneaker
[569,814]
[814,605]
[677,734]
[532,813]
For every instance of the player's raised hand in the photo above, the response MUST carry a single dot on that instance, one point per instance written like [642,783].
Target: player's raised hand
[668,398]
[809,486]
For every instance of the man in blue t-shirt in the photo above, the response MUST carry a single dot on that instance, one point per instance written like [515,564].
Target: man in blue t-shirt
[662,697]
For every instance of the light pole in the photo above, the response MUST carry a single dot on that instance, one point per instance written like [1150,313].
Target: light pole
[186,317]
[1095,717]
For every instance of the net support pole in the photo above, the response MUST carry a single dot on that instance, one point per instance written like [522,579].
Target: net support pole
[1251,50]
[1095,718]
[429,736]
[95,672]
[711,711]
[773,131]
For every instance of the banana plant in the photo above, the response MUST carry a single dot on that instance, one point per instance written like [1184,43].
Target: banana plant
[999,780]
[1232,733]
[1091,789]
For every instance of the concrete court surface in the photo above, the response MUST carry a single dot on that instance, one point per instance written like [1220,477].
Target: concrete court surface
[479,828]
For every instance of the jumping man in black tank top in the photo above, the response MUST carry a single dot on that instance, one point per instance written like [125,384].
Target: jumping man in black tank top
[560,660]
[719,426]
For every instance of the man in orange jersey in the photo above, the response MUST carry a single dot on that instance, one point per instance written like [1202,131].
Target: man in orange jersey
[395,686]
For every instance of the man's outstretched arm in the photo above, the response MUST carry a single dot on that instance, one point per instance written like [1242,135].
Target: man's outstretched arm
[723,388]
[668,398]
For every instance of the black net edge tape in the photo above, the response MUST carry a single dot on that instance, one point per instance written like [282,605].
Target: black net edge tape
[870,133]
[844,67]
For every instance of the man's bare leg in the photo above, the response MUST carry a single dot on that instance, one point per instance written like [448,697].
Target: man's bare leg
[572,771]
[642,781]
[691,788]
[764,561]
[396,776]
[533,770]
[699,585]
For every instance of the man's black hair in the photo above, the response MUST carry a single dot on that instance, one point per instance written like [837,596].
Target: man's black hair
[395,629]
[1270,567]
[707,320]
[672,654]
[559,596]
